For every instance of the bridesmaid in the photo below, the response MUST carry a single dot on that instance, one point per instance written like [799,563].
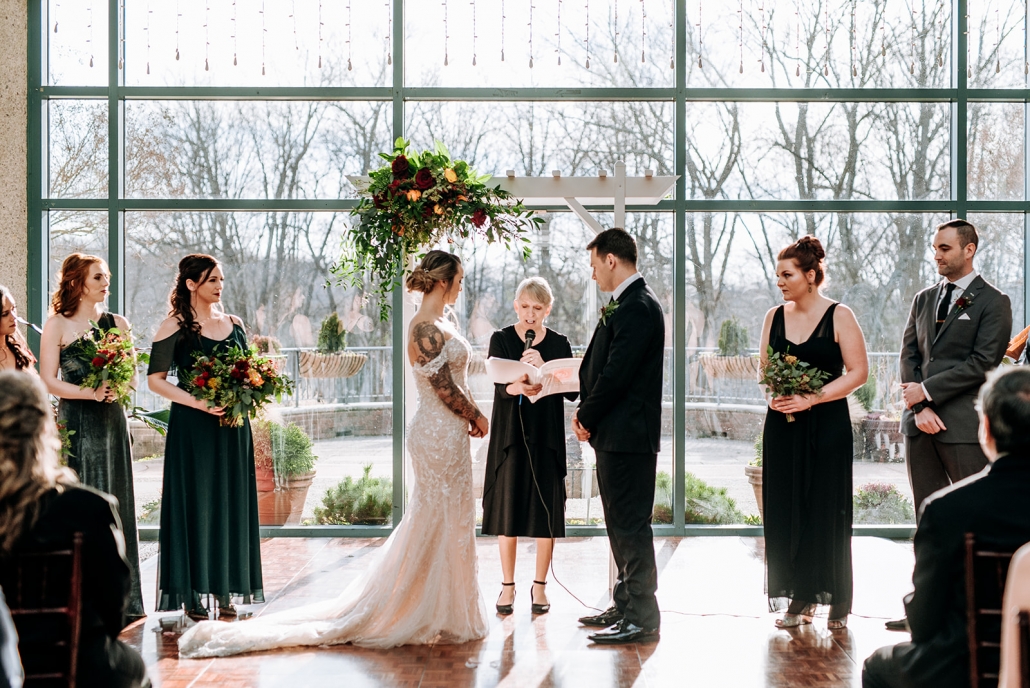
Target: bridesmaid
[209,520]
[14,350]
[100,449]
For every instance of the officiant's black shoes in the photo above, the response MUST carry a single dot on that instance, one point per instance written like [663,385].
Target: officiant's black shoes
[625,632]
[897,625]
[609,616]
[506,609]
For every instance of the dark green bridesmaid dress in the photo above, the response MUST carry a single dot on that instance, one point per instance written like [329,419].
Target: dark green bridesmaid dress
[101,454]
[210,540]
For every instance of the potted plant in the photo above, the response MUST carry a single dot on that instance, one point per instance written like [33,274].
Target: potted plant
[330,360]
[732,362]
[366,501]
[753,471]
[270,347]
[292,463]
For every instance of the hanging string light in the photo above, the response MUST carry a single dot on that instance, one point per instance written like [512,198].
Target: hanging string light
[474,36]
[761,13]
[234,62]
[883,30]
[350,44]
[263,31]
[672,32]
[797,37]
[531,34]
[121,34]
[502,30]
[446,34]
[997,46]
[740,34]
[320,25]
[57,6]
[293,16]
[826,36]
[90,40]
[969,65]
[643,30]
[207,35]
[389,32]
[616,53]
[178,15]
[147,30]
[854,65]
[558,49]
[586,41]
[700,40]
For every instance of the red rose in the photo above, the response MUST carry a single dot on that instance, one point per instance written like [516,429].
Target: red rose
[379,201]
[479,217]
[401,168]
[235,372]
[205,375]
[99,362]
[427,210]
[200,382]
[424,179]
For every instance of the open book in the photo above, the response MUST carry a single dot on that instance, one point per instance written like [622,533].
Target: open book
[560,376]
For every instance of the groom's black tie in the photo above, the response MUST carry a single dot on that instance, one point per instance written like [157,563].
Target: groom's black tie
[944,306]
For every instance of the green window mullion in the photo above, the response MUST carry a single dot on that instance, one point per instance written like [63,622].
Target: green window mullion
[397,320]
[38,134]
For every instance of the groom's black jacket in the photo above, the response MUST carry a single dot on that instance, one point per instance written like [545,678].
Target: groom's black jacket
[620,379]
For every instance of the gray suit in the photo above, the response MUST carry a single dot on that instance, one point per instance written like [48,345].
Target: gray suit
[952,365]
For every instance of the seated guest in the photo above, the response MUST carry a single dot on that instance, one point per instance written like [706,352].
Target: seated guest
[10,666]
[14,350]
[992,506]
[41,507]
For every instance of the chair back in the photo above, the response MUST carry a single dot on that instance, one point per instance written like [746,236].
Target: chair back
[44,594]
[1015,623]
[986,570]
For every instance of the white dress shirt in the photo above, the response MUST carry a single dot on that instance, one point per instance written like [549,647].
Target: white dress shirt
[961,284]
[621,289]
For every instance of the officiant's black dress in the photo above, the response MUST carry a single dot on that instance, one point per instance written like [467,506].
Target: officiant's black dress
[806,485]
[210,540]
[511,504]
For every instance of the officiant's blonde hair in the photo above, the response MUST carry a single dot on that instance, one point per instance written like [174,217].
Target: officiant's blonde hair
[537,288]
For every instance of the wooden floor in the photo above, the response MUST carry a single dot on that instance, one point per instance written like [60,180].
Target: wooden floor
[715,627]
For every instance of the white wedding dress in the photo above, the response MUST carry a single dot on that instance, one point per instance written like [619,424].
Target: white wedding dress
[423,587]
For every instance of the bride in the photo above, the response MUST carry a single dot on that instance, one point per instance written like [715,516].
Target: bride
[423,587]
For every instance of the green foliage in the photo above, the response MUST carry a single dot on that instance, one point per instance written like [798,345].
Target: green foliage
[331,335]
[704,504]
[150,513]
[733,338]
[882,503]
[752,520]
[757,461]
[866,394]
[291,450]
[266,345]
[366,501]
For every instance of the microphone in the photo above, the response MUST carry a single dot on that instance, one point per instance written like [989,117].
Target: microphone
[530,336]
[23,321]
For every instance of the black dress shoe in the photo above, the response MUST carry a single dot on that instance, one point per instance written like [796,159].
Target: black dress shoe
[625,632]
[609,616]
[897,625]
[538,608]
[506,609]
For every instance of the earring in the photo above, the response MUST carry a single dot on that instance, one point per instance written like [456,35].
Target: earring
[810,288]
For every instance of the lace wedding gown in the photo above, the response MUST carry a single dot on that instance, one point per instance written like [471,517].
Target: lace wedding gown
[423,587]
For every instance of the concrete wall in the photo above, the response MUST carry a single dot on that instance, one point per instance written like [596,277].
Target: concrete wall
[13,152]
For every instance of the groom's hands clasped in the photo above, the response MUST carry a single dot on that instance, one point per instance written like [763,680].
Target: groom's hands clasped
[582,434]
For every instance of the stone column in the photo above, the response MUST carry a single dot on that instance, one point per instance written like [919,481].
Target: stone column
[13,147]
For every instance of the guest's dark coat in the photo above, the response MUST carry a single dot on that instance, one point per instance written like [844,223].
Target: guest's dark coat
[993,506]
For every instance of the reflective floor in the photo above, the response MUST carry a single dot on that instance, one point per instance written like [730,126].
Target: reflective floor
[715,627]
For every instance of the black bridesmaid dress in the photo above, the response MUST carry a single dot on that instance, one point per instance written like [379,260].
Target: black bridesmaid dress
[210,539]
[101,454]
[511,504]
[806,486]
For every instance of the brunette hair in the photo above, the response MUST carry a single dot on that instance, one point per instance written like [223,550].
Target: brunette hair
[23,357]
[617,242]
[29,446]
[1005,401]
[196,267]
[72,282]
[808,253]
[967,233]
[437,266]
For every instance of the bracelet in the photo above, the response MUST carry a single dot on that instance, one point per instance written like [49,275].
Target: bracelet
[94,395]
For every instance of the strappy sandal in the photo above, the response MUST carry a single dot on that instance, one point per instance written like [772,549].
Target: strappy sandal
[506,609]
[538,608]
[837,624]
[801,618]
[229,611]
[199,613]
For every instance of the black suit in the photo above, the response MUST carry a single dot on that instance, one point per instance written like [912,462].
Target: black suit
[992,506]
[620,382]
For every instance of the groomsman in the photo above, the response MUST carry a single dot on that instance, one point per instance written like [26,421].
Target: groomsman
[957,331]
[620,413]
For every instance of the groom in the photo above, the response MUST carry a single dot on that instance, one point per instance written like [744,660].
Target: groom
[620,413]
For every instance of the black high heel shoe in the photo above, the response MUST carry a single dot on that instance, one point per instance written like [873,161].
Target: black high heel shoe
[506,609]
[538,608]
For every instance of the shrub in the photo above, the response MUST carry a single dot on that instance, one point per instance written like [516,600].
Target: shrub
[757,461]
[866,394]
[331,335]
[289,446]
[753,520]
[366,501]
[150,513]
[704,504]
[733,339]
[882,503]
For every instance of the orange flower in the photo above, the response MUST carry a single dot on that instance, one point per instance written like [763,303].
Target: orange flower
[438,209]
[414,195]
[450,176]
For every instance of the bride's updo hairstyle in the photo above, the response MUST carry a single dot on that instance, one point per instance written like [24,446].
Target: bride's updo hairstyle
[808,253]
[437,266]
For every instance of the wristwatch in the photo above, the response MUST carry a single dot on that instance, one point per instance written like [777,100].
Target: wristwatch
[916,408]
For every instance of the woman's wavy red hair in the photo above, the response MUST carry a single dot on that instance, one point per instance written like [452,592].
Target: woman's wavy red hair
[72,282]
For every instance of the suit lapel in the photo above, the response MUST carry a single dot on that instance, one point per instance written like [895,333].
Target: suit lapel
[930,318]
[969,294]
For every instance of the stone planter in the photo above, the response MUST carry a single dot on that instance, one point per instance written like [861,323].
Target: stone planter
[730,367]
[285,504]
[754,476]
[339,364]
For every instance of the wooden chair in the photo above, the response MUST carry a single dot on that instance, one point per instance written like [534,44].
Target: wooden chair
[986,571]
[44,593]
[1015,623]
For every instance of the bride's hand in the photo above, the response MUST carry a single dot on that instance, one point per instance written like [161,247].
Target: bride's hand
[479,427]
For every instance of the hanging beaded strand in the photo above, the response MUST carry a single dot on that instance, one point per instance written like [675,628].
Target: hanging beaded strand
[672,32]
[389,33]
[915,38]
[320,25]
[826,36]
[293,16]
[616,52]
[121,34]
[558,35]
[57,6]
[147,30]
[740,35]
[350,51]
[178,16]
[797,37]
[446,34]
[643,30]
[883,30]
[474,36]
[854,65]
[90,39]
[531,34]
[997,46]
[502,30]
[586,41]
[263,30]
[700,40]
[761,60]
[234,60]
[207,35]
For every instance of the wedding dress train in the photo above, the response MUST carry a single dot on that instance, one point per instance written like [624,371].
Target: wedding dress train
[423,586]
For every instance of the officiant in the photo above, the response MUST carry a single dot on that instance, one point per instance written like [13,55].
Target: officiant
[524,486]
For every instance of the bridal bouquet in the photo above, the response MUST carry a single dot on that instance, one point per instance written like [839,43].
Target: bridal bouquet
[112,359]
[239,380]
[786,376]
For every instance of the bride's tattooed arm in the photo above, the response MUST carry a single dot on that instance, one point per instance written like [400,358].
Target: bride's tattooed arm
[429,341]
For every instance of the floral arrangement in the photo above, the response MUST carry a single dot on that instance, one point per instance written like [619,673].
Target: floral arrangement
[112,359]
[413,203]
[785,376]
[237,380]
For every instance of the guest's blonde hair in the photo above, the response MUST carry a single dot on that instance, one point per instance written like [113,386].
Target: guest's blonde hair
[537,289]
[28,454]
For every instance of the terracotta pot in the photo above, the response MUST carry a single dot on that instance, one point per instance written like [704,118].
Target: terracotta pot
[339,364]
[265,478]
[285,504]
[754,476]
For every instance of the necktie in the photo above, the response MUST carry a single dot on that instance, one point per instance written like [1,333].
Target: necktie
[944,306]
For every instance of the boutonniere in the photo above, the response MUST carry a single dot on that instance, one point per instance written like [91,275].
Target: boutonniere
[963,302]
[608,311]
